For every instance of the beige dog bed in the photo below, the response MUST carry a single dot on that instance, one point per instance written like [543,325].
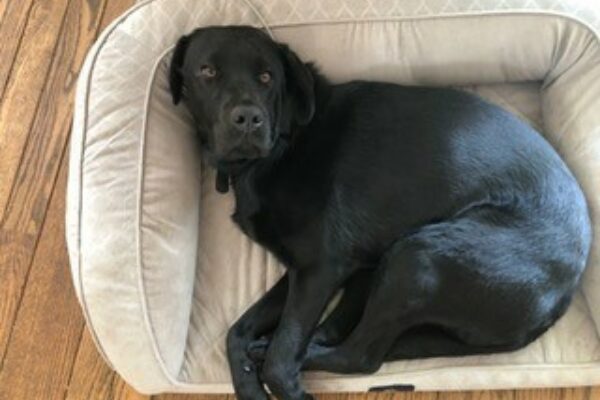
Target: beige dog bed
[161,271]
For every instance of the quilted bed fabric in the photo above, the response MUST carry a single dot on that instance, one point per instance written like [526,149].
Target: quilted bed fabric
[161,271]
[287,12]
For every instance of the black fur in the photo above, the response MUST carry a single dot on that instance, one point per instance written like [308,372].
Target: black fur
[454,227]
[175,75]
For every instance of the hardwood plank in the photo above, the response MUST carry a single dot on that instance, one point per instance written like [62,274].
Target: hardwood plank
[20,229]
[14,16]
[593,393]
[534,394]
[122,391]
[50,128]
[91,378]
[114,9]
[27,80]
[582,393]
[493,395]
[172,396]
[387,395]
[48,329]
[454,396]
[3,5]
[479,395]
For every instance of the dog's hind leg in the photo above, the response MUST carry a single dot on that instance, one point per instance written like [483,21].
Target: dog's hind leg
[479,277]
[346,314]
[430,341]
[398,296]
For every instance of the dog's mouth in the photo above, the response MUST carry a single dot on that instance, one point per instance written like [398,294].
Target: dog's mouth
[243,155]
[235,158]
[233,165]
[226,167]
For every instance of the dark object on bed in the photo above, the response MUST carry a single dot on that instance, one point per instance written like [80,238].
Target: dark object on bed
[453,227]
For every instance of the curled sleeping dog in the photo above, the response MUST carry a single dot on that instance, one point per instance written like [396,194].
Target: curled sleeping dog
[453,227]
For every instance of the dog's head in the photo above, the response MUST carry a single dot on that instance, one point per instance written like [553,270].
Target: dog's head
[243,90]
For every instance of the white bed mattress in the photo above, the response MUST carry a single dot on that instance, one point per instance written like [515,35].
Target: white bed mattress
[160,269]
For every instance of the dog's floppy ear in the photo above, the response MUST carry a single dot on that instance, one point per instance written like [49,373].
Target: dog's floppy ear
[175,76]
[300,86]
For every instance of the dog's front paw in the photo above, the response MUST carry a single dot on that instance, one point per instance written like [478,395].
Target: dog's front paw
[244,371]
[257,349]
[284,382]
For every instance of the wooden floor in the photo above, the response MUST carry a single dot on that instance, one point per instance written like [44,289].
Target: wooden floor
[45,351]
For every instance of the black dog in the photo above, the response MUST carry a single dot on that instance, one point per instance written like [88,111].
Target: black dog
[455,228]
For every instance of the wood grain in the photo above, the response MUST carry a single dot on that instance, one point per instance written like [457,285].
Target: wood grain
[568,393]
[17,109]
[14,16]
[122,391]
[194,397]
[3,5]
[548,394]
[47,331]
[114,9]
[91,378]
[27,80]
[40,155]
[388,395]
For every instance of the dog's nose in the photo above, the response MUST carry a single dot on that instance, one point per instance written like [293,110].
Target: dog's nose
[247,119]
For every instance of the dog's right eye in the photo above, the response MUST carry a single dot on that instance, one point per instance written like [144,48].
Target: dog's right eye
[265,77]
[207,71]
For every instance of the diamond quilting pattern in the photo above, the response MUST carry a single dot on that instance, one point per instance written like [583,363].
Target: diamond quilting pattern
[280,12]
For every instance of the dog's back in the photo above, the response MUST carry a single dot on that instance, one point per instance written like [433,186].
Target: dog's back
[395,158]
[482,194]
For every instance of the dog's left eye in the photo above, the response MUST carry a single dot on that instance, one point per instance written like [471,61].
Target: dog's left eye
[265,77]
